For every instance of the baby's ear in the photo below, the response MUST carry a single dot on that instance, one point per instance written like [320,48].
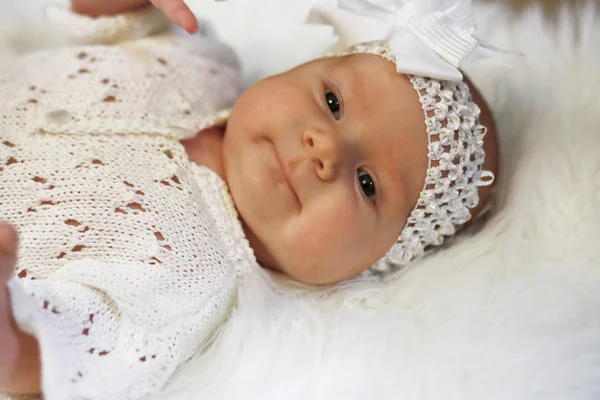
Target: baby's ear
[490,146]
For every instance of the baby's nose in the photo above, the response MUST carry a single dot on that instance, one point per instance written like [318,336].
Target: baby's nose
[325,152]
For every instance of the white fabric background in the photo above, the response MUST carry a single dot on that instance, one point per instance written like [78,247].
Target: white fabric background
[511,313]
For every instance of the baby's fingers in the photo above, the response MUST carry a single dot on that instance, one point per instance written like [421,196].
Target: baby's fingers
[8,239]
[179,13]
[8,252]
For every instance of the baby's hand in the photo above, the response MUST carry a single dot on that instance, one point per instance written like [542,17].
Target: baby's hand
[8,258]
[179,13]
[8,253]
[19,353]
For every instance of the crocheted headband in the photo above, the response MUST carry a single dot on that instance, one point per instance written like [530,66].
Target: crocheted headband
[428,46]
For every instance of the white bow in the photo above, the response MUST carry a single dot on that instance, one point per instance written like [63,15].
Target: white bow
[428,43]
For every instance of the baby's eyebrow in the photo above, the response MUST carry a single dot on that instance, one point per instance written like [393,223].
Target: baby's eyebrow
[348,78]
[339,68]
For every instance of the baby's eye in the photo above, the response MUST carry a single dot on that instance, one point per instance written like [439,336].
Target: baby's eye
[367,185]
[333,103]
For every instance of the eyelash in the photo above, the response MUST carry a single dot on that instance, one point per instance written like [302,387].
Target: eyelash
[332,100]
[360,176]
[335,107]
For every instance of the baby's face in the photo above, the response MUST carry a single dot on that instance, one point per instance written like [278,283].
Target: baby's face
[325,162]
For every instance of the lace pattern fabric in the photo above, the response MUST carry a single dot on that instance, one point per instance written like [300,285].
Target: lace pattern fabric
[454,173]
[130,254]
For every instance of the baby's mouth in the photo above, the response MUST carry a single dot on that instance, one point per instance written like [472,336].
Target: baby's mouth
[281,167]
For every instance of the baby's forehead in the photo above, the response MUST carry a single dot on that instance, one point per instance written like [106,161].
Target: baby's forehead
[373,78]
[374,93]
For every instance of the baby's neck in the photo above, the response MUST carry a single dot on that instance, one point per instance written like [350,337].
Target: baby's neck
[206,148]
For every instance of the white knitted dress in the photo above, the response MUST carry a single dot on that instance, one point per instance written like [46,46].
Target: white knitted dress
[130,254]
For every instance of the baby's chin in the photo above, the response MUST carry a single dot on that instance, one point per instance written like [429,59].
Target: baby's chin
[319,275]
[313,266]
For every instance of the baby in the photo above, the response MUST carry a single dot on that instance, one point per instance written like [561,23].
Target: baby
[142,203]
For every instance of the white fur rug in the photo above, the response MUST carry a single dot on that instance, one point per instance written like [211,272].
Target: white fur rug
[510,313]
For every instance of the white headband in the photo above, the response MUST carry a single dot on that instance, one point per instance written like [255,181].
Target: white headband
[429,46]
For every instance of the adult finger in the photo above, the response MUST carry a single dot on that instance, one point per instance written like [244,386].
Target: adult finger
[179,13]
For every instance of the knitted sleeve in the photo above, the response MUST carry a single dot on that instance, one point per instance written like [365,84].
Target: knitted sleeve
[82,29]
[132,26]
[122,275]
[130,83]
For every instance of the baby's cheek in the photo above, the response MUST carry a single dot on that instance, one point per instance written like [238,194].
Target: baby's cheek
[334,230]
[328,246]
